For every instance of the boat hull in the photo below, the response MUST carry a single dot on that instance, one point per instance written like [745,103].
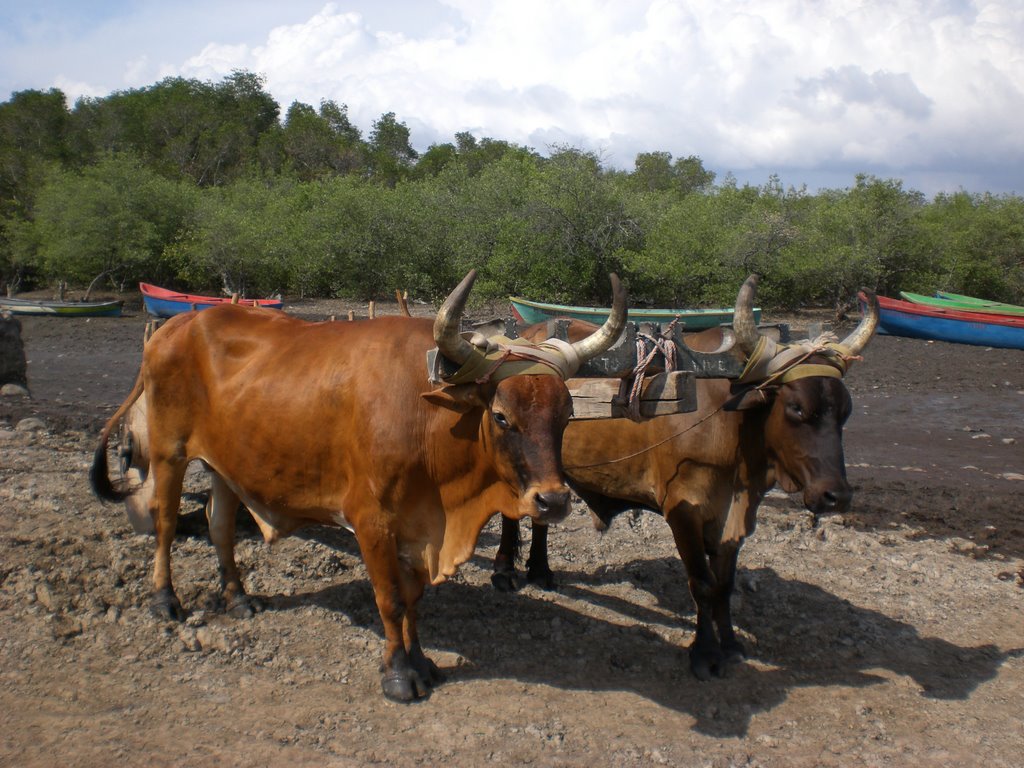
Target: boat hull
[964,304]
[903,318]
[530,312]
[61,308]
[161,302]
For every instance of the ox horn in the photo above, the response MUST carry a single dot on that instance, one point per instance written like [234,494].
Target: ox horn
[446,325]
[861,335]
[605,337]
[743,323]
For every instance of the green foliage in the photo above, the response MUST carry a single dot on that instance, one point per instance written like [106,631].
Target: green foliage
[390,155]
[33,128]
[208,133]
[868,236]
[241,240]
[200,185]
[574,225]
[655,172]
[313,144]
[983,245]
[114,218]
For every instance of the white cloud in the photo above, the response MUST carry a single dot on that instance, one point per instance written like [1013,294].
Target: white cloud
[894,87]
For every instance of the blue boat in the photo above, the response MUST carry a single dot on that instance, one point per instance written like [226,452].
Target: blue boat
[917,321]
[161,302]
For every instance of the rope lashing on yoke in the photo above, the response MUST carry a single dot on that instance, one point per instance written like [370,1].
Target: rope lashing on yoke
[498,358]
[661,344]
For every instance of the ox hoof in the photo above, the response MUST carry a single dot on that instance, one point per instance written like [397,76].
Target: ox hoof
[411,677]
[505,581]
[707,664]
[734,652]
[541,577]
[243,606]
[166,606]
[404,686]
[425,668]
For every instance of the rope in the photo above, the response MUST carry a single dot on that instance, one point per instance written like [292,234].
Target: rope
[661,344]
[649,447]
[498,362]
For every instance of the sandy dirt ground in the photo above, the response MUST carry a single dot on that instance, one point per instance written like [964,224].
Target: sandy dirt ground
[892,635]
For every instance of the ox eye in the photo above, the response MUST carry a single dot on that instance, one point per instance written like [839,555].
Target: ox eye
[796,411]
[501,420]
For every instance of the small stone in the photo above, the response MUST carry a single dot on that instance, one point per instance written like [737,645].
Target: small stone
[45,596]
[13,390]
[31,424]
[189,640]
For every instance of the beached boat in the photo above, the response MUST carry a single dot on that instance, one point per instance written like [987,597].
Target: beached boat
[161,302]
[530,312]
[917,321]
[974,301]
[962,303]
[61,308]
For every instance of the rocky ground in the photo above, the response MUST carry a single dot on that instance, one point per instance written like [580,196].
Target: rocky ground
[890,636]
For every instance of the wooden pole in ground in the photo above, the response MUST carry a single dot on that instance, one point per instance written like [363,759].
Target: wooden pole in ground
[403,302]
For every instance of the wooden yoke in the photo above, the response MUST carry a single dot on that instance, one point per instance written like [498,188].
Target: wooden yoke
[601,387]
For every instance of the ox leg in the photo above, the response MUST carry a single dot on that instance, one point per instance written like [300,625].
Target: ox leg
[396,598]
[537,569]
[705,654]
[739,524]
[723,564]
[168,477]
[427,669]
[221,511]
[504,577]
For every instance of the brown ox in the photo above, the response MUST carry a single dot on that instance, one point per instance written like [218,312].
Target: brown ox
[706,472]
[336,424]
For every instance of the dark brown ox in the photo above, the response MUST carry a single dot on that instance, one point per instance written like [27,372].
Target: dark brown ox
[336,424]
[706,472]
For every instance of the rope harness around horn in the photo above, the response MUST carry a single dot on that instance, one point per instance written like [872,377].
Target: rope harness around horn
[498,357]
[775,363]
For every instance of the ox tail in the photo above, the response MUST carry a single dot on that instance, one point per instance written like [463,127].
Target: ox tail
[99,474]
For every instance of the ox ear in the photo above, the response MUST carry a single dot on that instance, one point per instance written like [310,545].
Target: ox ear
[460,398]
[754,397]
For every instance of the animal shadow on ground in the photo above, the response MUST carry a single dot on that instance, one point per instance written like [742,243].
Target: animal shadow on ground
[804,636]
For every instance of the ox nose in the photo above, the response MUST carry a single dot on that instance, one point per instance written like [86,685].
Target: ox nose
[552,506]
[834,500]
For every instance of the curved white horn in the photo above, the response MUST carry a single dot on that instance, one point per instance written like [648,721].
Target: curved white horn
[861,335]
[446,325]
[743,323]
[605,337]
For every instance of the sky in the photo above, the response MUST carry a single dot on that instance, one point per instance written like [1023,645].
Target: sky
[930,92]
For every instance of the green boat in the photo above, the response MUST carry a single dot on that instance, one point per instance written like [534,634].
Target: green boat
[529,312]
[61,308]
[962,303]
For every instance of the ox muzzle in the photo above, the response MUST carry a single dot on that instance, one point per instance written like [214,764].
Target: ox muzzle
[831,499]
[547,506]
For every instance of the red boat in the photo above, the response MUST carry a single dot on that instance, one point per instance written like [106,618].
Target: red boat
[161,302]
[917,321]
